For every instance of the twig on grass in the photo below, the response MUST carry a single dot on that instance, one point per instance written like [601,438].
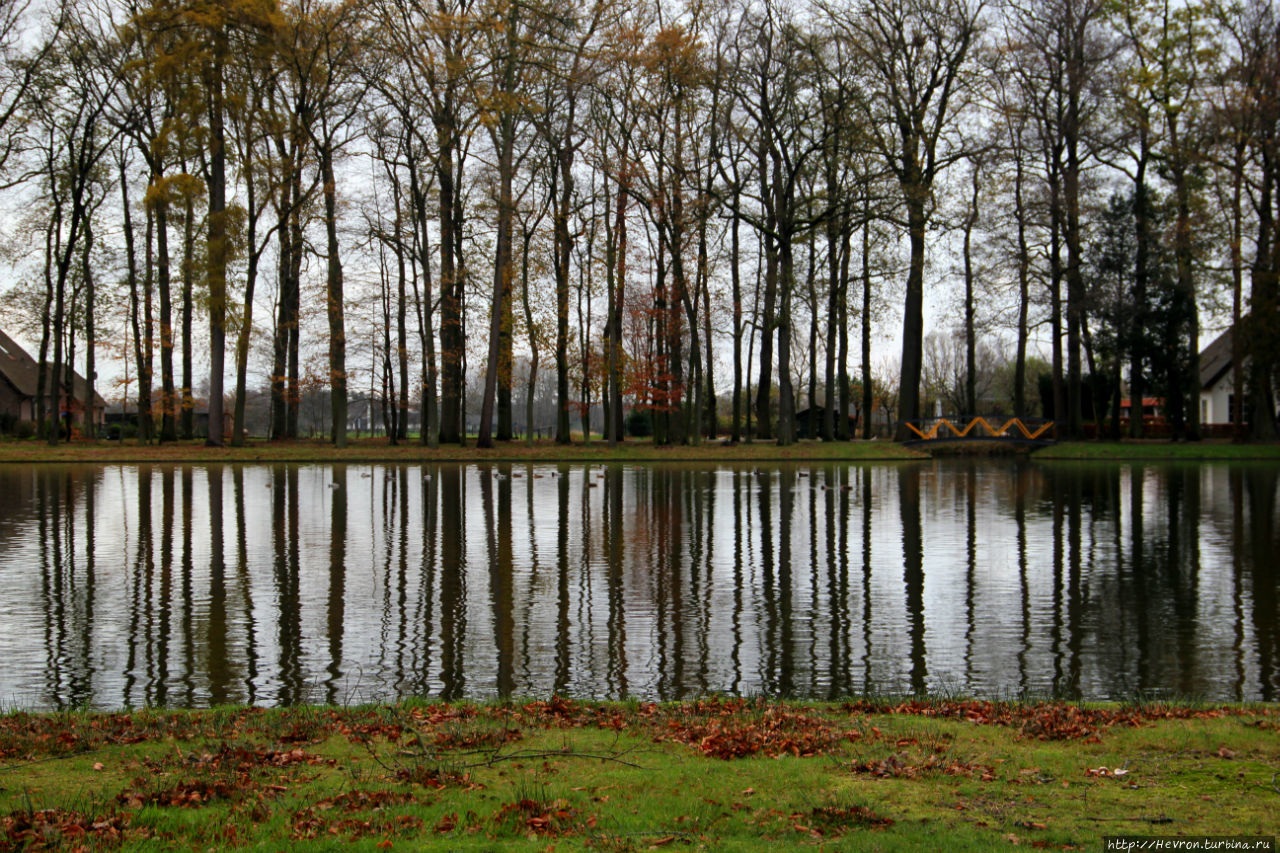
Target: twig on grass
[552,754]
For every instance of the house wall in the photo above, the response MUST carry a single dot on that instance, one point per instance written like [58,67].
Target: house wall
[1215,402]
[11,402]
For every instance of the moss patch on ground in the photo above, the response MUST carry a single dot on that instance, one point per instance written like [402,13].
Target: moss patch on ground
[379,450]
[722,774]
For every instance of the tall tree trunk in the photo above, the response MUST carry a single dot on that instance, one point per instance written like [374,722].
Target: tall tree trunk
[763,386]
[1142,225]
[1071,131]
[451,341]
[402,332]
[141,327]
[618,304]
[1055,295]
[45,411]
[533,341]
[186,410]
[90,308]
[611,418]
[1183,252]
[502,272]
[842,321]
[970,330]
[711,416]
[735,276]
[56,330]
[168,420]
[217,246]
[1024,294]
[1238,429]
[246,313]
[786,433]
[866,413]
[1262,326]
[429,434]
[296,247]
[913,310]
[280,342]
[834,299]
[334,301]
[812,286]
[562,190]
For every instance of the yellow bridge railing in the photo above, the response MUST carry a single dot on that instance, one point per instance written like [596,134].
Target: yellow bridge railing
[1014,429]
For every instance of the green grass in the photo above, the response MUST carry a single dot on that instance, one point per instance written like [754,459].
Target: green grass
[1157,450]
[379,450]
[714,774]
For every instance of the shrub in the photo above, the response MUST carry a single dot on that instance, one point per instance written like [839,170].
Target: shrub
[24,429]
[639,424]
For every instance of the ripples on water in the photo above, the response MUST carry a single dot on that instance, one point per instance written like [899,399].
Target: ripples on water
[187,586]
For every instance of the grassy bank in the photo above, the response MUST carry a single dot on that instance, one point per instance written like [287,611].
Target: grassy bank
[1158,450]
[715,774]
[379,450]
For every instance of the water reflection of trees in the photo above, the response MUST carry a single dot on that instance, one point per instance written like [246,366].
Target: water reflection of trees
[161,585]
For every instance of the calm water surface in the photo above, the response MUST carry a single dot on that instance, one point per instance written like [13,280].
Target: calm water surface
[130,585]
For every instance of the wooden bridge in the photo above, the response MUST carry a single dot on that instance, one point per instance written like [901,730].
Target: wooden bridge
[1036,432]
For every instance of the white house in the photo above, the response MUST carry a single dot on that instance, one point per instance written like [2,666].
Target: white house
[1217,394]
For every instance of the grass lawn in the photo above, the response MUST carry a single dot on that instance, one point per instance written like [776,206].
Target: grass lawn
[1120,451]
[717,774]
[378,450]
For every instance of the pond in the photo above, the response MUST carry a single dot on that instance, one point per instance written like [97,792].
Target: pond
[133,585]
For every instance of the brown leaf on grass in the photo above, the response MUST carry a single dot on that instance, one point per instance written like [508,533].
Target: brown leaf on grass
[51,828]
[356,801]
[1043,721]
[431,777]
[537,817]
[190,793]
[835,820]
[736,728]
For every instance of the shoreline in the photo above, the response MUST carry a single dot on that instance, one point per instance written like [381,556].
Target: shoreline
[378,451]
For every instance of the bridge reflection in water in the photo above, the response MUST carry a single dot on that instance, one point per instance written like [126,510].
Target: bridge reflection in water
[189,586]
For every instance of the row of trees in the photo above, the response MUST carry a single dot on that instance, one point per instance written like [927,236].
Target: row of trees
[649,196]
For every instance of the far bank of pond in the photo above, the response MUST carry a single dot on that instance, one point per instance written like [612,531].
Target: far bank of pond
[371,450]
[379,450]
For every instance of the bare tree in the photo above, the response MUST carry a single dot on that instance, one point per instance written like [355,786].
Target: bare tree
[919,75]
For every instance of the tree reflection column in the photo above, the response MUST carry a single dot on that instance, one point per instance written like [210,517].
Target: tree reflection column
[143,568]
[453,600]
[561,677]
[216,643]
[1260,482]
[336,607]
[284,534]
[498,543]
[617,621]
[913,570]
[242,576]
